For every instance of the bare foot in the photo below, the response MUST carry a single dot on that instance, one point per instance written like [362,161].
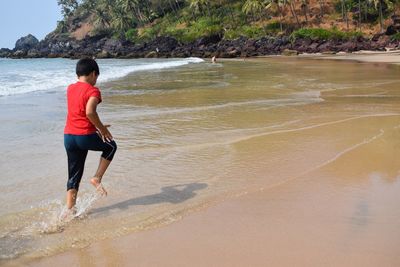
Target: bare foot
[68,214]
[96,182]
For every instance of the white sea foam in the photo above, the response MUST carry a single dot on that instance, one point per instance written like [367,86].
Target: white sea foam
[117,70]
[52,216]
[18,76]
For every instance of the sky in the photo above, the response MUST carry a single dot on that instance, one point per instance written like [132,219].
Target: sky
[19,18]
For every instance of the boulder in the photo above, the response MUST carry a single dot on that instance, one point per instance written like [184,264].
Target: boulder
[312,48]
[266,46]
[383,41]
[132,55]
[289,52]
[250,45]
[396,19]
[327,52]
[5,52]
[19,54]
[213,39]
[234,53]
[325,47]
[112,45]
[33,53]
[395,26]
[376,37]
[391,29]
[53,55]
[103,54]
[152,54]
[26,43]
[208,54]
[163,44]
[348,46]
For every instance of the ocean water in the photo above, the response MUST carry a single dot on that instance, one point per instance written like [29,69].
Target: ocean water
[33,75]
[189,133]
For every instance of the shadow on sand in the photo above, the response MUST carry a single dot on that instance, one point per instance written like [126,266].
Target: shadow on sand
[171,194]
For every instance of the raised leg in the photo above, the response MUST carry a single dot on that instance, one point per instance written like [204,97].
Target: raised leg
[96,180]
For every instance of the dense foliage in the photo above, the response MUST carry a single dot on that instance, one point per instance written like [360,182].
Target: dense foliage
[187,20]
[323,34]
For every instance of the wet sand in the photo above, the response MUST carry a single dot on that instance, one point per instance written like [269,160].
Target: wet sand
[339,209]
[343,212]
[392,57]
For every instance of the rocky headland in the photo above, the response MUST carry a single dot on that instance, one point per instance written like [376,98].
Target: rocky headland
[164,47]
[71,45]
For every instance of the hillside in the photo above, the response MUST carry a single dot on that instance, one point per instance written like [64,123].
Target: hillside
[131,28]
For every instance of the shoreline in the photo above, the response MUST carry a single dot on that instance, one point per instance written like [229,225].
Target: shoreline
[367,56]
[204,47]
[389,57]
[255,228]
[364,56]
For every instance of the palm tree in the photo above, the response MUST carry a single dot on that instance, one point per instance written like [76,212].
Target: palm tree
[67,6]
[128,6]
[103,11]
[345,16]
[62,26]
[292,7]
[121,21]
[131,8]
[102,19]
[379,6]
[359,15]
[395,5]
[253,7]
[304,6]
[321,6]
[198,6]
[278,4]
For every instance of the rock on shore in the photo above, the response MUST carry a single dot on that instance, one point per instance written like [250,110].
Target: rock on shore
[103,47]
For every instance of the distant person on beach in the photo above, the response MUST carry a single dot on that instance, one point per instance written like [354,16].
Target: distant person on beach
[84,131]
[214,59]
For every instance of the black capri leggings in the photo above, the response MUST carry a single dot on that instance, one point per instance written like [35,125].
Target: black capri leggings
[77,147]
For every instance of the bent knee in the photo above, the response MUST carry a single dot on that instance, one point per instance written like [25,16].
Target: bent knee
[113,147]
[109,153]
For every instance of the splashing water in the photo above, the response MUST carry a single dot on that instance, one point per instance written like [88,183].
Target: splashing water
[49,217]
[54,216]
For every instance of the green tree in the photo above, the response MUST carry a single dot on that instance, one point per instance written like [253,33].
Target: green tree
[130,8]
[378,4]
[102,10]
[121,21]
[292,8]
[304,7]
[321,7]
[253,7]
[68,7]
[395,5]
[199,6]
[279,5]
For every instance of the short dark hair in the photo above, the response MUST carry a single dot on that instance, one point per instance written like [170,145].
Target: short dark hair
[85,66]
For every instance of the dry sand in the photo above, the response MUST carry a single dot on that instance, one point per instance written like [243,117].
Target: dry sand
[343,213]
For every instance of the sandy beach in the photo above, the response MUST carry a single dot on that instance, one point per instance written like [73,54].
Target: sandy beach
[328,204]
[392,57]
